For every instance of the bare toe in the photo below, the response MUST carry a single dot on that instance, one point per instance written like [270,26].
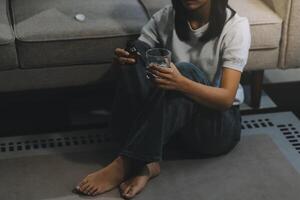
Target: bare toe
[134,191]
[123,186]
[84,181]
[92,190]
[126,184]
[126,190]
[82,185]
[84,188]
[96,192]
[99,191]
[107,178]
[136,184]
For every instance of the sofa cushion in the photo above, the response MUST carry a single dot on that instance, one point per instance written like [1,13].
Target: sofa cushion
[262,59]
[8,58]
[266,25]
[48,34]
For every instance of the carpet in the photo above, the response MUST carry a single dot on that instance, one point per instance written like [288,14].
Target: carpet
[263,166]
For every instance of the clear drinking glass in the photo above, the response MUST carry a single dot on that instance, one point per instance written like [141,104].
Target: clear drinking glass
[157,56]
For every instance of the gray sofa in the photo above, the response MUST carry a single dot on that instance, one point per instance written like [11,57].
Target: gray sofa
[43,46]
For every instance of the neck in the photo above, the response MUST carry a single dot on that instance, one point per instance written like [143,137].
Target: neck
[199,17]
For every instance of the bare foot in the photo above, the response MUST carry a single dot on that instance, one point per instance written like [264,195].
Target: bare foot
[105,179]
[136,184]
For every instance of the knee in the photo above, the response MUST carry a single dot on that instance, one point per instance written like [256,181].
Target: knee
[192,72]
[185,66]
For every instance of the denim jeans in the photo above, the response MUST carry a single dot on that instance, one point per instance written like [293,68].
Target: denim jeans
[145,117]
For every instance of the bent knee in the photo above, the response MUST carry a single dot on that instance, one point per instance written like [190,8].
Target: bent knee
[193,72]
[184,65]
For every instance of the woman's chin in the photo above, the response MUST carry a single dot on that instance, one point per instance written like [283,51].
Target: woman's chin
[192,7]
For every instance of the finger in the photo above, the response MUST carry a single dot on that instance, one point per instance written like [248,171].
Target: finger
[165,70]
[121,52]
[172,65]
[161,75]
[174,68]
[164,84]
[152,65]
[166,87]
[161,81]
[124,60]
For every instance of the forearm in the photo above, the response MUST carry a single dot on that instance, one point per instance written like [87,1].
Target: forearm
[213,97]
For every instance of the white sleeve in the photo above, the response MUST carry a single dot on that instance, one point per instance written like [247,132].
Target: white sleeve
[236,46]
[151,31]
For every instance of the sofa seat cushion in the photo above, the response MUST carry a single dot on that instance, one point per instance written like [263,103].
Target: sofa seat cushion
[8,58]
[48,33]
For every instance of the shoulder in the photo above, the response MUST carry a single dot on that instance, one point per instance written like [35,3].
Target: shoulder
[164,13]
[236,31]
[237,25]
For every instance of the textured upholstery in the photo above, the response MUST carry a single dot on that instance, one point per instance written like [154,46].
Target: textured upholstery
[152,6]
[262,59]
[48,34]
[8,56]
[282,8]
[263,20]
[290,45]
[292,58]
[55,77]
[264,52]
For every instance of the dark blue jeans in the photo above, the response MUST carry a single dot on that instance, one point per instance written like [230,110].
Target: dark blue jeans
[145,117]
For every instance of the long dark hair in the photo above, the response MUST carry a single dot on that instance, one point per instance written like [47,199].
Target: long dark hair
[217,20]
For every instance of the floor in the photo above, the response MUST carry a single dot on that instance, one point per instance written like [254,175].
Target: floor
[268,150]
[282,76]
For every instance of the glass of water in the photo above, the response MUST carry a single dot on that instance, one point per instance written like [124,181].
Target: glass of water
[157,56]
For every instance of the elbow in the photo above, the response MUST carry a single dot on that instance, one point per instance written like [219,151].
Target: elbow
[227,101]
[225,105]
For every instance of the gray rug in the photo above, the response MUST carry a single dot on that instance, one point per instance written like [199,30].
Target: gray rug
[255,170]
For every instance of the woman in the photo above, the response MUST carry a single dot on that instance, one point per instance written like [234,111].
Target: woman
[196,100]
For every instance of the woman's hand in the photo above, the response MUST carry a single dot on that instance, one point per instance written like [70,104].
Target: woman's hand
[123,56]
[167,77]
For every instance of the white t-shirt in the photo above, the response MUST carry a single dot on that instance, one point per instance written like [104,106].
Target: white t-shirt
[229,50]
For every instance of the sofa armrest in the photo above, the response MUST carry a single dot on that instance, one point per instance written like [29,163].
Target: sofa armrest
[283,8]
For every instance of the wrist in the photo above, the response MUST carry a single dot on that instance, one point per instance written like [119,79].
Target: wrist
[183,84]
